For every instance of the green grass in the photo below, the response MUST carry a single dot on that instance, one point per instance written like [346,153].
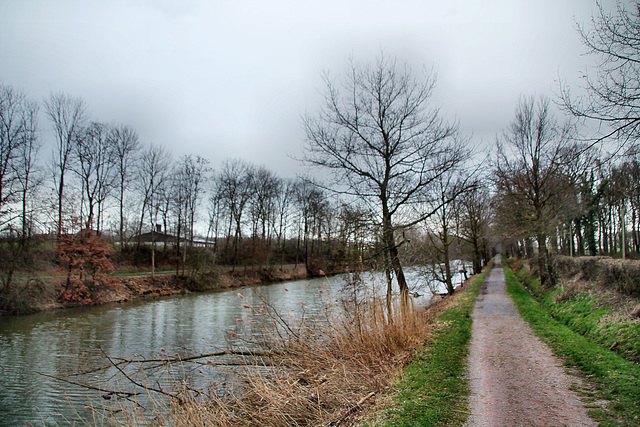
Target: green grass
[434,390]
[586,310]
[614,379]
[586,314]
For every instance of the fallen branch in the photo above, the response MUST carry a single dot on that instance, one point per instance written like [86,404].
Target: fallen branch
[143,386]
[115,362]
[351,410]
[91,387]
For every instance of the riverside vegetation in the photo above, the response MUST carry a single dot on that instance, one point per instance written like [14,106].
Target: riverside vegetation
[85,270]
[356,368]
[350,365]
[593,327]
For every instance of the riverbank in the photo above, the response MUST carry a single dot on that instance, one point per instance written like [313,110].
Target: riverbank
[37,296]
[433,388]
[325,367]
[594,326]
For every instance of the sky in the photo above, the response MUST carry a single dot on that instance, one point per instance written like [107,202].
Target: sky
[232,78]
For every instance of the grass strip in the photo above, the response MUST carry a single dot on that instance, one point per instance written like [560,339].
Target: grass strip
[615,379]
[435,388]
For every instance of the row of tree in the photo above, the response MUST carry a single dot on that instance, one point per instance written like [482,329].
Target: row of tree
[103,178]
[403,182]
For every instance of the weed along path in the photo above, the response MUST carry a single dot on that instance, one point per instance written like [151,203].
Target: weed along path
[514,378]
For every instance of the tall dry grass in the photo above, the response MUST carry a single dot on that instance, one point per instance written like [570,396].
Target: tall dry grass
[316,374]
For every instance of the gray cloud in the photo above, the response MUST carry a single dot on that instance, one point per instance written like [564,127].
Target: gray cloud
[231,78]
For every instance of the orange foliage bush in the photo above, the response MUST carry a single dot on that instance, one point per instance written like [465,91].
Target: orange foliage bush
[85,259]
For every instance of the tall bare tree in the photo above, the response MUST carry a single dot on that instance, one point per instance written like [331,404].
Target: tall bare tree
[314,209]
[68,116]
[94,164]
[235,182]
[612,87]
[150,174]
[533,156]
[126,145]
[475,218]
[26,166]
[384,143]
[187,186]
[17,130]
[444,224]
[284,212]
[266,188]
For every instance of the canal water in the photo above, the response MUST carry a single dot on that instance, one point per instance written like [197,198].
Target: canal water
[40,354]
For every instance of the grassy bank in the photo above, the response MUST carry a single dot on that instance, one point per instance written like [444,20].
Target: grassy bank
[44,294]
[320,369]
[614,382]
[434,390]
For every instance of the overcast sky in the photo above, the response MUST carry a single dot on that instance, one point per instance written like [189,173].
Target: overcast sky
[231,78]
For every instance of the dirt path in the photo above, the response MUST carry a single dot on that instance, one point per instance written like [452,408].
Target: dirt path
[515,379]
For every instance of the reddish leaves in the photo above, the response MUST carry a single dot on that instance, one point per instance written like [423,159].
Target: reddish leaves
[84,258]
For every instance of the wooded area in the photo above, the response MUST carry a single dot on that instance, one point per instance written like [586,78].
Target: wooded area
[405,186]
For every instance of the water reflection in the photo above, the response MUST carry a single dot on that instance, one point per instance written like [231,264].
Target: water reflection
[59,343]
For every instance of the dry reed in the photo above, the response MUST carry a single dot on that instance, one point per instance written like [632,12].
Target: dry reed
[319,373]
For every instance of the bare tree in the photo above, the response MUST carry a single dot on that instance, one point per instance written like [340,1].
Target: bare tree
[18,146]
[613,92]
[475,218]
[235,185]
[187,186]
[68,116]
[18,123]
[214,213]
[126,145]
[314,208]
[384,143]
[94,165]
[266,189]
[533,155]
[26,169]
[283,209]
[444,224]
[150,174]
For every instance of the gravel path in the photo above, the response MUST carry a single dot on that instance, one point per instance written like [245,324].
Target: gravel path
[515,379]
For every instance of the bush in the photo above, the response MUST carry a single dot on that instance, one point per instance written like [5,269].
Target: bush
[620,275]
[85,259]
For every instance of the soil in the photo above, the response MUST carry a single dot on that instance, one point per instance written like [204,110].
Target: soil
[144,287]
[515,380]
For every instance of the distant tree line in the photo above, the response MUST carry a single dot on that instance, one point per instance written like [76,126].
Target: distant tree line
[404,185]
[569,193]
[101,177]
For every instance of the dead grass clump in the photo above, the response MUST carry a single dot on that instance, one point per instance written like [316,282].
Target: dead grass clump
[620,275]
[320,374]
[570,289]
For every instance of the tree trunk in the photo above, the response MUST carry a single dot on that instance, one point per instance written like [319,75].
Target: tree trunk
[547,278]
[477,258]
[122,240]
[447,268]
[394,259]
[60,192]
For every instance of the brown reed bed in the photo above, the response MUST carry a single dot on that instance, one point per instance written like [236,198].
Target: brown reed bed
[320,373]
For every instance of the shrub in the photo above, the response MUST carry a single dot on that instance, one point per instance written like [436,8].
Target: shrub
[84,258]
[621,275]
